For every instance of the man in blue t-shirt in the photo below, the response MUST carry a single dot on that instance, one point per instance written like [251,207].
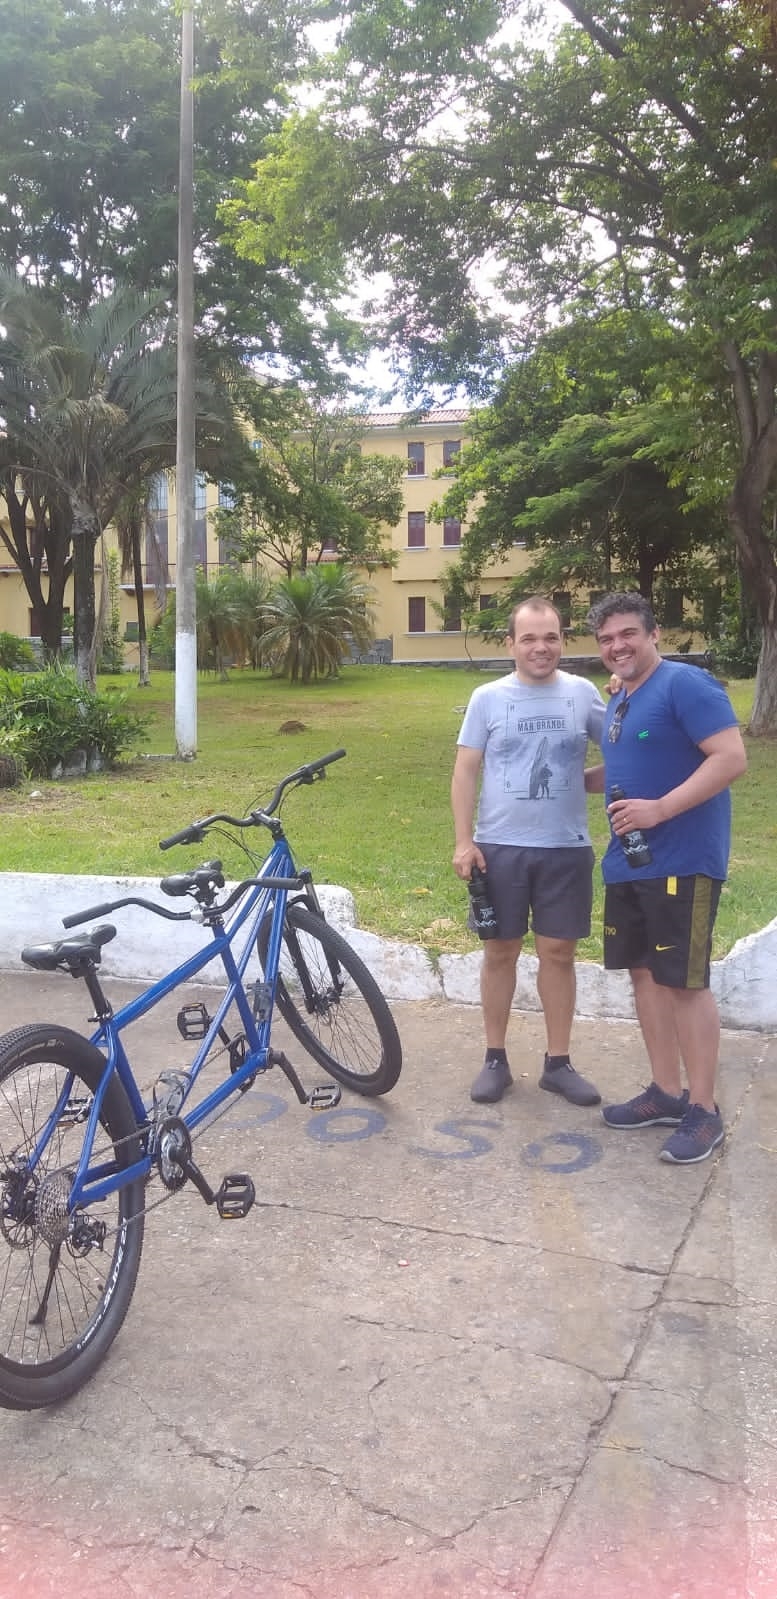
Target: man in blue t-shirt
[671,747]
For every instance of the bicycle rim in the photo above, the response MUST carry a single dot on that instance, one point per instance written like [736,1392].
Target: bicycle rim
[65,1283]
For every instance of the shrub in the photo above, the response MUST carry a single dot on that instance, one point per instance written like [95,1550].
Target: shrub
[52,716]
[16,654]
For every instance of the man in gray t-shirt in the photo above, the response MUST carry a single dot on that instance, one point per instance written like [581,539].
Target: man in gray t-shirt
[523,741]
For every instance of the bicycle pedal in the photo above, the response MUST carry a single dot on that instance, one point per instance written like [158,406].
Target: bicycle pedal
[235,1196]
[325,1096]
[193,1021]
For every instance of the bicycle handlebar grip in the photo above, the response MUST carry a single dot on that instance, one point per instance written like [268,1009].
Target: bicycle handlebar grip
[187,835]
[86,916]
[326,760]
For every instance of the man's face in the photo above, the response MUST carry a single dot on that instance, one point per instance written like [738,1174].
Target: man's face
[626,647]
[536,645]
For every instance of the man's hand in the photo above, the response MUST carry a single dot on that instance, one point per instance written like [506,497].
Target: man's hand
[465,857]
[628,815]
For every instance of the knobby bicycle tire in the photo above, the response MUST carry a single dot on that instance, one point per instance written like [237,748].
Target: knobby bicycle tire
[63,1295]
[333,1005]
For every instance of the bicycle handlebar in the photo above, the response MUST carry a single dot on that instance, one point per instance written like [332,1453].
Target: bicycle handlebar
[195,832]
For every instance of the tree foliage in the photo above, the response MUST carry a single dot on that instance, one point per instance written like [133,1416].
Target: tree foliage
[89,406]
[631,160]
[307,490]
[89,151]
[575,459]
[311,620]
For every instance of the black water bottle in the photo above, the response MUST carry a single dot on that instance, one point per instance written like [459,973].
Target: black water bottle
[634,843]
[483,914]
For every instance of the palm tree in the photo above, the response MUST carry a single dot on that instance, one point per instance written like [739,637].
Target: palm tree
[311,620]
[90,406]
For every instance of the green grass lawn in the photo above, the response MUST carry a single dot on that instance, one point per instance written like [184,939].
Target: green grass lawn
[380,824]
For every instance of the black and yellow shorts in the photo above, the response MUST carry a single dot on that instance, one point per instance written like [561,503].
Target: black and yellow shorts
[664,923]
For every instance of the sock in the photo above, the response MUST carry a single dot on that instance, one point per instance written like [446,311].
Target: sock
[493,1055]
[553,1063]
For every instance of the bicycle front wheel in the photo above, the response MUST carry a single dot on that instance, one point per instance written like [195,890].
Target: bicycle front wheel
[333,1005]
[66,1280]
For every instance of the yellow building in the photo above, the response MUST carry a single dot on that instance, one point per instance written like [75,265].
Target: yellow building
[409,595]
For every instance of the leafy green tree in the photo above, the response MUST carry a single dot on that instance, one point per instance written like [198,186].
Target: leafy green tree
[89,128]
[311,621]
[563,460]
[230,622]
[89,409]
[309,491]
[638,146]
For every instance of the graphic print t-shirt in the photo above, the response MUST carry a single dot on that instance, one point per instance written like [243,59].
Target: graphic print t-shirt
[533,738]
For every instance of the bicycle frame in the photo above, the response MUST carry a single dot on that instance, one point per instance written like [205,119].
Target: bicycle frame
[93,1184]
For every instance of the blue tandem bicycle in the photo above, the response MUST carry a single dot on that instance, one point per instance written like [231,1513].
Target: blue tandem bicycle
[80,1144]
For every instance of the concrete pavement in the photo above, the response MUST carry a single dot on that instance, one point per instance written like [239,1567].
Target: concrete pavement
[454,1351]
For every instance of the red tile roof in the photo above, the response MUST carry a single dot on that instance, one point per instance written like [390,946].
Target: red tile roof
[410,419]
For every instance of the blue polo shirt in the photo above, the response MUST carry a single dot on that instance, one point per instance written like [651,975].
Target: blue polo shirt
[666,719]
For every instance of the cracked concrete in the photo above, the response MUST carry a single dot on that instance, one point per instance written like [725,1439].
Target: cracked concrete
[454,1351]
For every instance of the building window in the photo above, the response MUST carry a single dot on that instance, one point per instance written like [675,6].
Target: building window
[450,450]
[562,600]
[416,460]
[488,602]
[229,543]
[157,551]
[672,607]
[416,614]
[200,523]
[416,530]
[451,621]
[451,530]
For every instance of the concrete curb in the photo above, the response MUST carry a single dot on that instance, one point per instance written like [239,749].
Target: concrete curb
[33,904]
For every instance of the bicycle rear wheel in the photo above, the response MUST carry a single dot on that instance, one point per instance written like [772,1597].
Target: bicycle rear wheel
[66,1281]
[333,1005]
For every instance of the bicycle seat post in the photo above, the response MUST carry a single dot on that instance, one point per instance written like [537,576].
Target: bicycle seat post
[102,1006]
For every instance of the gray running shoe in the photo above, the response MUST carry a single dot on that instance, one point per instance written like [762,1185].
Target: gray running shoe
[566,1081]
[491,1082]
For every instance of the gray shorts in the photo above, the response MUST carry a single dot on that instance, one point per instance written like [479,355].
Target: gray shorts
[554,885]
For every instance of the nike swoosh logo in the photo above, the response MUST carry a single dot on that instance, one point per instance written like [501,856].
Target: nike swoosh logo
[660,947]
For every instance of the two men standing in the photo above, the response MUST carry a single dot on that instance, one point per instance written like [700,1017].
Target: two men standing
[672,748]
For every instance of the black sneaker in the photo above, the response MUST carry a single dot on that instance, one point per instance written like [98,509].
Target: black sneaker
[566,1081]
[491,1082]
[699,1132]
[653,1108]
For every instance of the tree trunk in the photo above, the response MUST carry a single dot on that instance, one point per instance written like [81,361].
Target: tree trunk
[140,601]
[31,536]
[86,532]
[759,574]
[764,714]
[753,392]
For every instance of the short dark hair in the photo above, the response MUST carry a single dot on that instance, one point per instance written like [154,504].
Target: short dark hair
[632,604]
[534,602]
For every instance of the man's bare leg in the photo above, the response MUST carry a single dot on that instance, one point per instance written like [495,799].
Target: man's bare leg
[657,1020]
[556,986]
[497,987]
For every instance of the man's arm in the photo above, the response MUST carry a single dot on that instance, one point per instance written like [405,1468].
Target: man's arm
[464,790]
